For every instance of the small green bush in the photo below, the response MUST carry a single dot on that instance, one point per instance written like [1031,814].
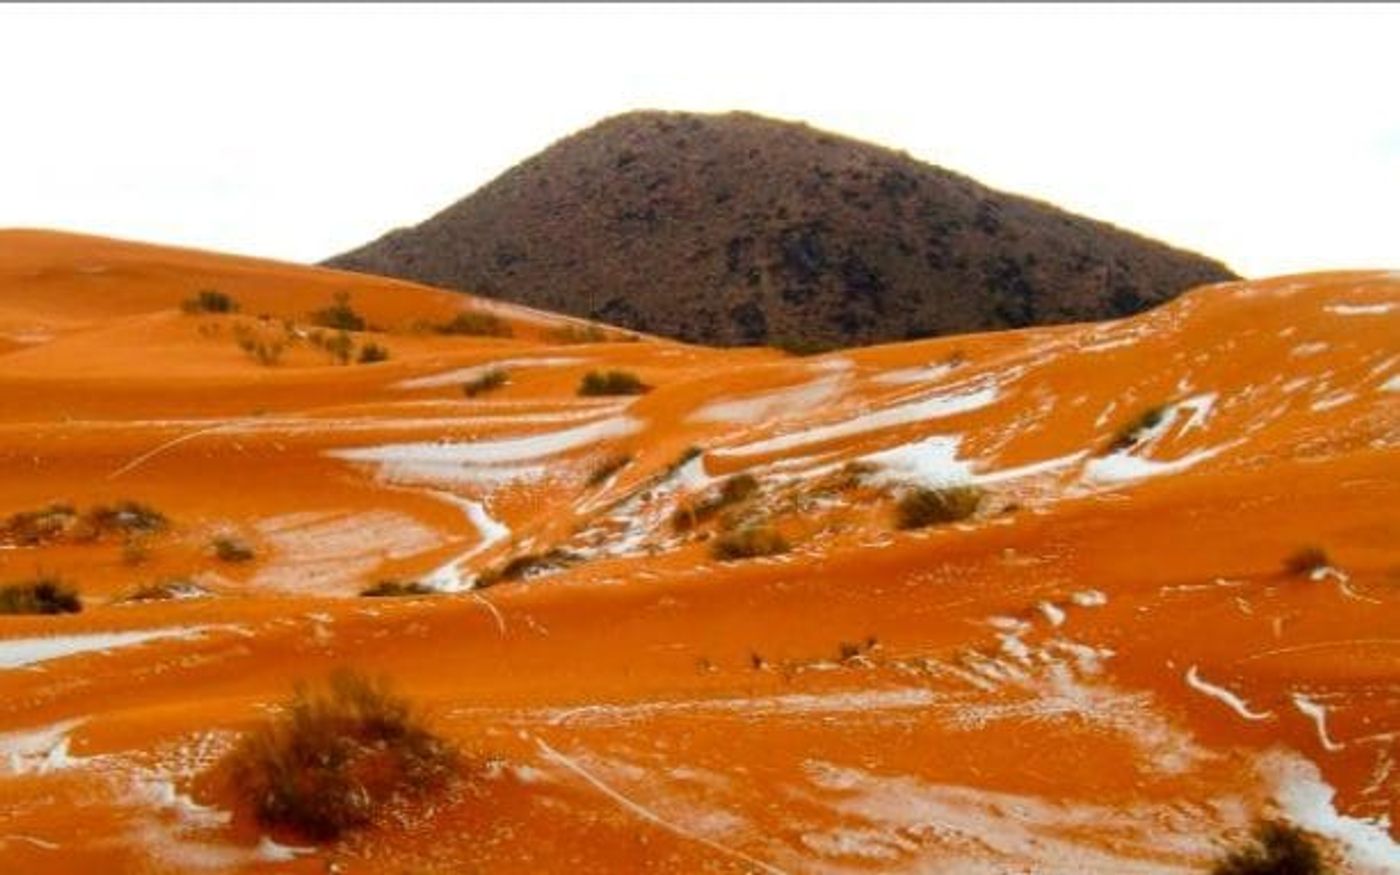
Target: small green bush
[475,324]
[923,507]
[1276,849]
[209,301]
[749,542]
[611,383]
[228,548]
[44,595]
[609,467]
[489,381]
[337,757]
[734,490]
[576,334]
[371,353]
[1132,431]
[339,316]
[396,588]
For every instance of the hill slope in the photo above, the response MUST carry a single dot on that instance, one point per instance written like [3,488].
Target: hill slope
[736,229]
[1052,684]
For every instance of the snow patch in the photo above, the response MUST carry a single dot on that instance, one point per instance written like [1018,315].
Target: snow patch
[1310,802]
[18,652]
[1235,703]
[769,406]
[463,375]
[39,751]
[1361,309]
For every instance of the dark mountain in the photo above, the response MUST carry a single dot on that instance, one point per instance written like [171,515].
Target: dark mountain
[737,229]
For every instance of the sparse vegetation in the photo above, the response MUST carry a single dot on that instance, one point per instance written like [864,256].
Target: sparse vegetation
[607,468]
[923,506]
[230,548]
[748,542]
[1276,849]
[1132,431]
[30,528]
[611,383]
[1307,560]
[336,757]
[339,316]
[371,353]
[488,381]
[43,595]
[340,345]
[61,521]
[209,301]
[475,323]
[575,334]
[129,519]
[264,350]
[734,490]
[396,588]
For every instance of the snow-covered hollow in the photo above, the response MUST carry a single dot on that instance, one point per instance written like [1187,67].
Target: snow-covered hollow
[19,652]
[931,407]
[446,454]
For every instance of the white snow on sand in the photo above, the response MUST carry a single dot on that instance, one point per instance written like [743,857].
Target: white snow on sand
[1123,466]
[1361,309]
[491,531]
[38,751]
[1310,802]
[930,462]
[18,652]
[1306,349]
[1318,714]
[1235,703]
[332,550]
[918,374]
[931,407]
[1391,385]
[768,406]
[462,375]
[451,460]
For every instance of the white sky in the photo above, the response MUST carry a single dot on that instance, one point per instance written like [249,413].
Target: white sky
[1268,137]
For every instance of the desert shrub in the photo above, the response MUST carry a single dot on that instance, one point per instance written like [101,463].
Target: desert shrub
[476,324]
[519,566]
[1132,431]
[608,467]
[394,588]
[339,316]
[489,381]
[1307,560]
[371,353]
[734,490]
[230,548]
[165,590]
[1276,849]
[611,383]
[336,757]
[748,542]
[339,345]
[263,350]
[130,519]
[44,595]
[574,334]
[923,506]
[209,301]
[33,527]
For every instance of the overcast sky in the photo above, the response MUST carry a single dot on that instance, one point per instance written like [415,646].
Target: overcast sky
[1267,137]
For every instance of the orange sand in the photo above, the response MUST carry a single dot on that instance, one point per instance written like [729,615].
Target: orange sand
[1046,687]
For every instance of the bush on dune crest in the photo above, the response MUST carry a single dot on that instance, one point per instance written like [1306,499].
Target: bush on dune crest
[336,757]
[923,507]
[1276,849]
[597,383]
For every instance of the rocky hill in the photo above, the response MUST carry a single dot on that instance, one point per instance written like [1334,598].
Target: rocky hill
[737,229]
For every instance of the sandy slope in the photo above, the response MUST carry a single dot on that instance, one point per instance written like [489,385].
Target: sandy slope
[1108,670]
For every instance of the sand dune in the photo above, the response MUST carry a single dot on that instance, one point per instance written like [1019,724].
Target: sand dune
[1106,669]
